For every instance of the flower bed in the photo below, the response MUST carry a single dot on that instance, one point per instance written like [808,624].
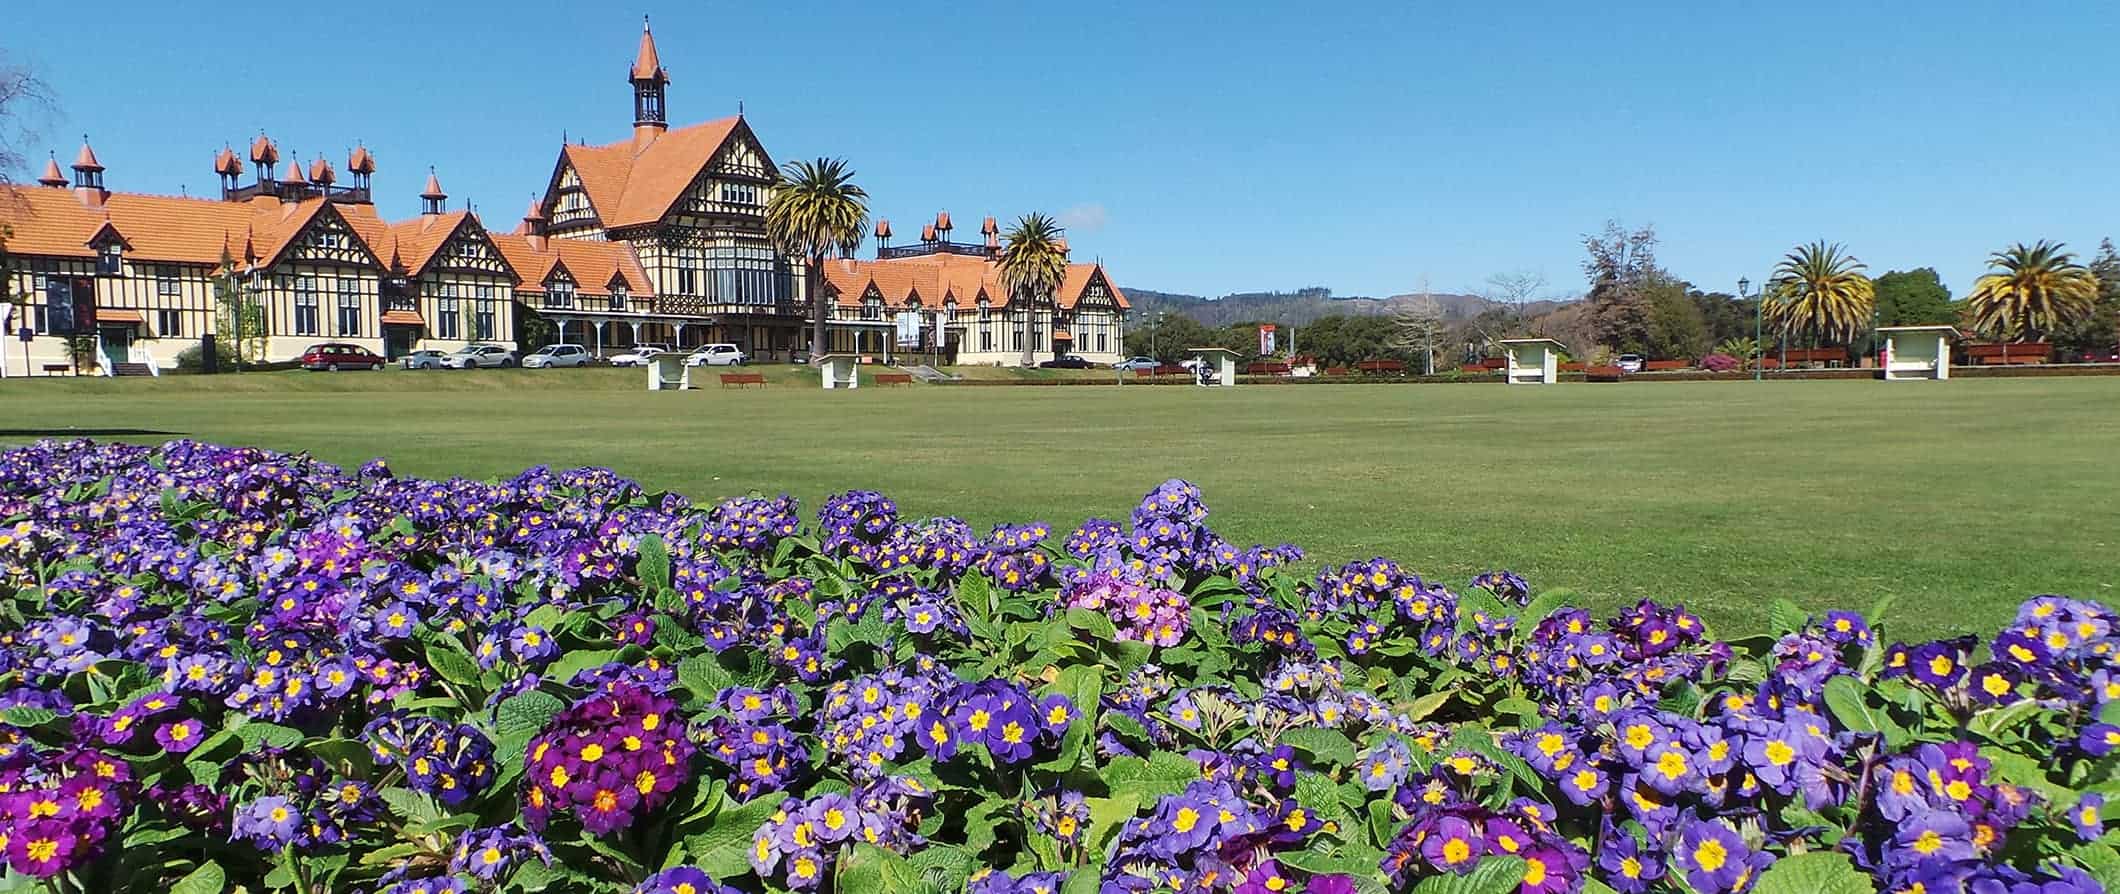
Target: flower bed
[227,667]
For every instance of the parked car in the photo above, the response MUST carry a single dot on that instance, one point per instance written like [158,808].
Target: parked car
[1630,363]
[335,356]
[554,356]
[1137,363]
[422,359]
[718,355]
[638,354]
[1066,361]
[475,356]
[2102,355]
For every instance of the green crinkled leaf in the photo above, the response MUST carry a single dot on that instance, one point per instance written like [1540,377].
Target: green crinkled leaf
[257,733]
[1325,746]
[704,676]
[1107,815]
[1993,723]
[1784,616]
[410,806]
[527,712]
[1820,872]
[1542,606]
[1494,875]
[653,566]
[1083,684]
[2101,861]
[208,878]
[871,868]
[575,661]
[27,716]
[724,849]
[1162,773]
[1428,704]
[451,662]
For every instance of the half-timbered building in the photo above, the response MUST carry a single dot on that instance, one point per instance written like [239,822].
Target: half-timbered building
[658,238]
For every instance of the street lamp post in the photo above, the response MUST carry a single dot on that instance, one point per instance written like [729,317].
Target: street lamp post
[1759,322]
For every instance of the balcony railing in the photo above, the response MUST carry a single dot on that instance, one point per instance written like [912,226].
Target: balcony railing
[919,249]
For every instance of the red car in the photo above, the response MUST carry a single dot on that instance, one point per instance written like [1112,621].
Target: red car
[335,356]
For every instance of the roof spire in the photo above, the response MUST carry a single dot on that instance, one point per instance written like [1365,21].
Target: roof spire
[647,64]
[432,198]
[86,161]
[52,175]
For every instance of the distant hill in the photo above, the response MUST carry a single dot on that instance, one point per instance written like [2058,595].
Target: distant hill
[1304,305]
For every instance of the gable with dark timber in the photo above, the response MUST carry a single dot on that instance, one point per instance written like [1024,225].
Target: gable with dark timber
[470,250]
[328,238]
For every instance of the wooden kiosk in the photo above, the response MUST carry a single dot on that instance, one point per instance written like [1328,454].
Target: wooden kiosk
[1222,360]
[1914,353]
[1531,361]
[839,370]
[667,371]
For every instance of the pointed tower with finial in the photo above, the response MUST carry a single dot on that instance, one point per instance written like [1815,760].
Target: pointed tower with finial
[649,80]
[432,199]
[53,177]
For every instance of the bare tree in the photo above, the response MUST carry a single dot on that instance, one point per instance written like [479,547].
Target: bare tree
[1515,289]
[22,94]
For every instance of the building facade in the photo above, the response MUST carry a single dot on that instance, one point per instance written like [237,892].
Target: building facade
[656,239]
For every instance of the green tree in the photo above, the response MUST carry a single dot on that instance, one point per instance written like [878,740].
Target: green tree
[2100,329]
[239,318]
[1033,264]
[1914,298]
[1726,316]
[817,213]
[1674,328]
[1168,337]
[533,330]
[1620,267]
[1819,290]
[2036,289]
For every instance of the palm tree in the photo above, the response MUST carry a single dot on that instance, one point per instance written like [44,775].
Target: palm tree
[1033,264]
[2039,288]
[816,213]
[1820,289]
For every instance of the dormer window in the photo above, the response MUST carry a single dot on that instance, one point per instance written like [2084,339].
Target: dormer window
[560,294]
[872,308]
[618,297]
[110,260]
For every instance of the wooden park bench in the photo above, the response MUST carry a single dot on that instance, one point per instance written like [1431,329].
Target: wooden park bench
[737,380]
[1603,374]
[894,378]
[1998,354]
[1337,371]
[1831,357]
[1664,365]
[1381,367]
[53,369]
[1574,367]
[1267,369]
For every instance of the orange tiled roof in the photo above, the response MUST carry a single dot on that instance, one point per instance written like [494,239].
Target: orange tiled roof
[403,318]
[593,265]
[418,239]
[118,315]
[940,279]
[55,223]
[629,185]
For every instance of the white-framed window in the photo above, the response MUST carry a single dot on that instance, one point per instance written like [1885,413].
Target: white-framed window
[168,284]
[559,294]
[168,323]
[482,314]
[448,321]
[618,297]
[305,305]
[349,307]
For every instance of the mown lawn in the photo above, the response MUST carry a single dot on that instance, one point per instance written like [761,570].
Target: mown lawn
[1961,498]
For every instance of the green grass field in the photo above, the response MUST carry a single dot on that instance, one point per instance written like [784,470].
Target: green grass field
[1960,498]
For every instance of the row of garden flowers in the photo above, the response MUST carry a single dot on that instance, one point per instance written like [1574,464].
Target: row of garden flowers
[225,668]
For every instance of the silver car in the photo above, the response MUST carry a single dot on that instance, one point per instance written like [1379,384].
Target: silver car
[425,359]
[554,356]
[475,356]
[638,355]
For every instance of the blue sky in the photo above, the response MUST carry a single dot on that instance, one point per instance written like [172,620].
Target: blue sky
[1195,147]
